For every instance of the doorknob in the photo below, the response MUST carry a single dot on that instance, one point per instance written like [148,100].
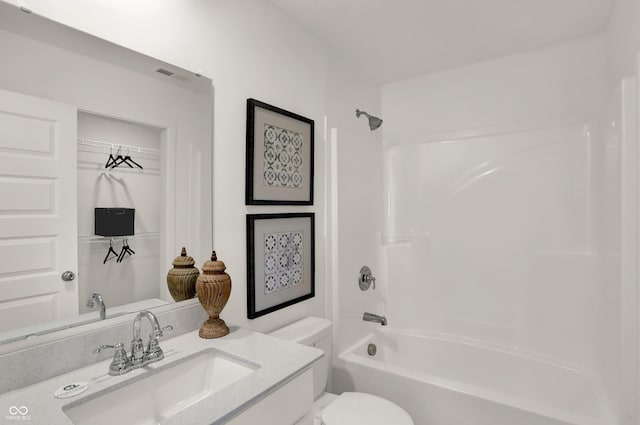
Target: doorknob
[68,276]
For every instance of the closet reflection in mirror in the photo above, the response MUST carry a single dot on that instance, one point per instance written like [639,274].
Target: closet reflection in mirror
[71,107]
[105,180]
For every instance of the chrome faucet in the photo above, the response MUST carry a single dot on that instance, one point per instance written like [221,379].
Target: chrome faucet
[153,353]
[96,300]
[370,317]
[140,357]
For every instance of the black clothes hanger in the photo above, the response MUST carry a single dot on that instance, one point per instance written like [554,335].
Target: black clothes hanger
[111,160]
[129,160]
[119,160]
[125,160]
[125,250]
[111,251]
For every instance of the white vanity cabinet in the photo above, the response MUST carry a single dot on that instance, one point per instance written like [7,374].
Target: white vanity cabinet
[288,405]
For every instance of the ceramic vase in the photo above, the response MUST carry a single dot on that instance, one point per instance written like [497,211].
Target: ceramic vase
[182,278]
[213,288]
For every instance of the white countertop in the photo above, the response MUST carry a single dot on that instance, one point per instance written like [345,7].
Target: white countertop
[279,360]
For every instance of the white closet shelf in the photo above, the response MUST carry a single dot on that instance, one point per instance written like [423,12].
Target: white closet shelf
[97,146]
[94,238]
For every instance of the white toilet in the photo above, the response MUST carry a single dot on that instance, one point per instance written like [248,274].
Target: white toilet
[350,408]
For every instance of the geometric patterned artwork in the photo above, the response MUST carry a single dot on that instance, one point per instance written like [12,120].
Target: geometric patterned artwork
[283,263]
[280,260]
[279,168]
[282,157]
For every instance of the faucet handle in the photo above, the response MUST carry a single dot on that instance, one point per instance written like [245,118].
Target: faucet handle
[120,363]
[154,352]
[116,347]
[160,332]
[102,347]
[366,279]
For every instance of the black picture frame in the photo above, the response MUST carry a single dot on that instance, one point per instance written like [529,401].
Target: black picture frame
[291,279]
[279,156]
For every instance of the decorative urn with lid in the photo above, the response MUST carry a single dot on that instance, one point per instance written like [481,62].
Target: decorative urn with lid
[181,279]
[213,288]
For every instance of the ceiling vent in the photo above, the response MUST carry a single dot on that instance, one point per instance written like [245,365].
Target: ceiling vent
[164,72]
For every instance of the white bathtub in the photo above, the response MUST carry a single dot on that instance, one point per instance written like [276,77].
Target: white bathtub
[443,381]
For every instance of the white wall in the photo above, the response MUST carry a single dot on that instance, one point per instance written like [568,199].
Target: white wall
[615,199]
[558,83]
[249,49]
[623,41]
[623,47]
[355,198]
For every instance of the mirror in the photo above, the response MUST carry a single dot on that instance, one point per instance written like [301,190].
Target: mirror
[72,106]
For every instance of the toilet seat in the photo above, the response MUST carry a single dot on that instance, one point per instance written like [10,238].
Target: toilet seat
[364,409]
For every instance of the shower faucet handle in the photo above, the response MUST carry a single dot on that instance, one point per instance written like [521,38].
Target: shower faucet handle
[366,278]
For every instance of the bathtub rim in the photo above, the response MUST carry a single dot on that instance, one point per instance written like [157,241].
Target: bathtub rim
[604,411]
[476,342]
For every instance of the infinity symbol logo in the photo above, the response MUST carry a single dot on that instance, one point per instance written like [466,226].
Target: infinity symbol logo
[23,410]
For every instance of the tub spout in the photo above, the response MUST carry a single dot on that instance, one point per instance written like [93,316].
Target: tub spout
[370,317]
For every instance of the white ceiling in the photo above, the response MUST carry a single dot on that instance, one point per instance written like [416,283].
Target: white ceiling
[397,39]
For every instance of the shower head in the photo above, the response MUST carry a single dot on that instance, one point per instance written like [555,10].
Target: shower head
[374,122]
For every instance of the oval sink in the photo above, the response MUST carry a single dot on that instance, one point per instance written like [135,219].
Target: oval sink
[162,393]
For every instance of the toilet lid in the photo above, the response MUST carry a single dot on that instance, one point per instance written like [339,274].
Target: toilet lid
[364,409]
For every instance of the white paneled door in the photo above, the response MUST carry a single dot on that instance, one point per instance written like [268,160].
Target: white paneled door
[38,192]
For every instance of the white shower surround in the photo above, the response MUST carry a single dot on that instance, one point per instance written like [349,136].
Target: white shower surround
[510,190]
[493,234]
[495,304]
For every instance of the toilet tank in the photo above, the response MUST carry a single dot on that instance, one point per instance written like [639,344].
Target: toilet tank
[314,332]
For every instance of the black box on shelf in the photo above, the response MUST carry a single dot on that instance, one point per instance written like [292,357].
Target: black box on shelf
[114,221]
